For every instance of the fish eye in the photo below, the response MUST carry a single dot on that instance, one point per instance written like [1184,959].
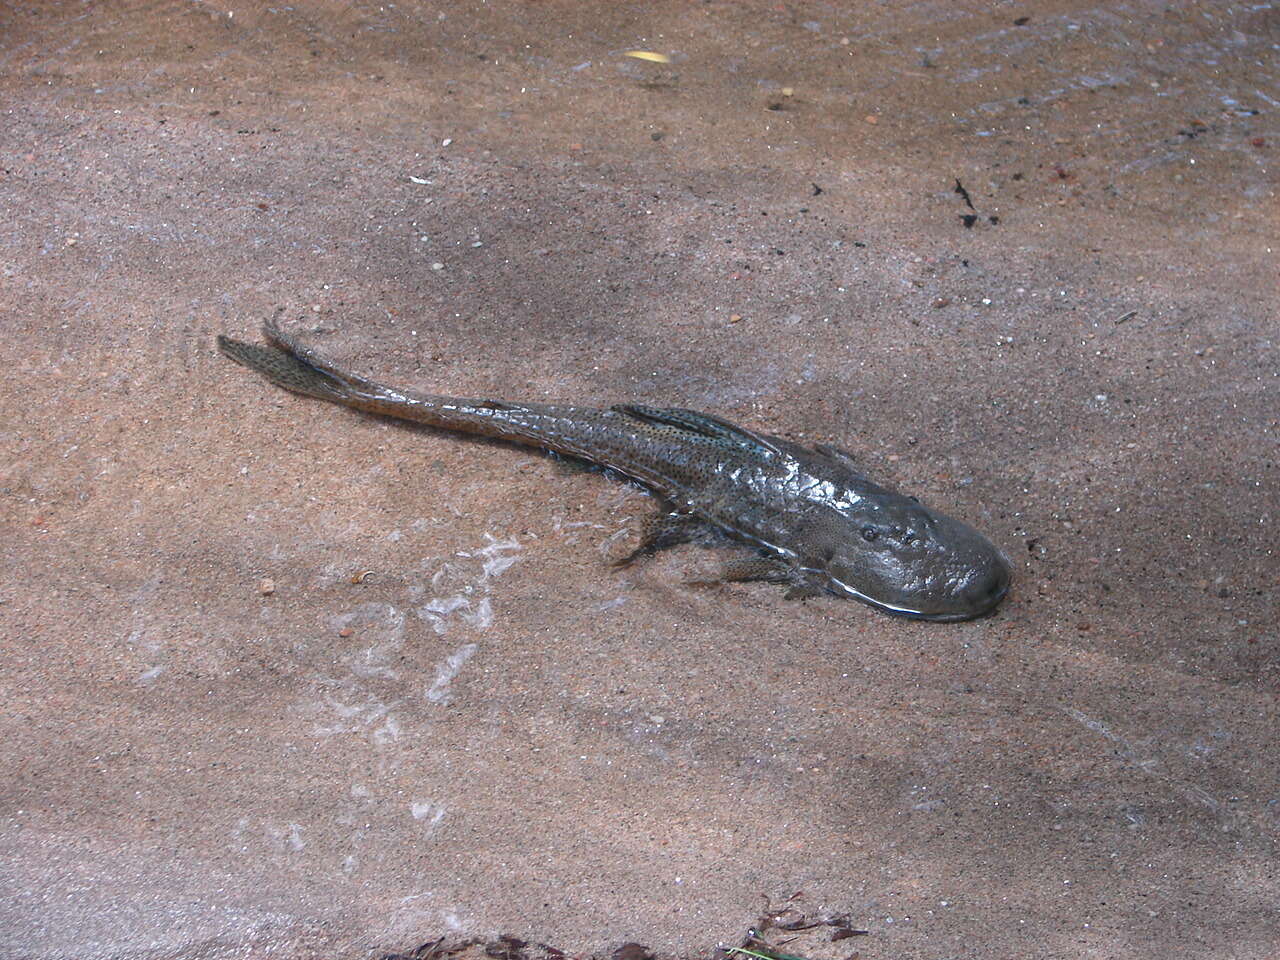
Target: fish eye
[870,533]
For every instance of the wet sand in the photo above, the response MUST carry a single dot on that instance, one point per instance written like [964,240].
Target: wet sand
[284,680]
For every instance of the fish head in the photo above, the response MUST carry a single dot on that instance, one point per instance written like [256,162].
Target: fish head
[897,554]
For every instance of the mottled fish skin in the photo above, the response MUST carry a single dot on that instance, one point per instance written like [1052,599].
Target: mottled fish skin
[815,519]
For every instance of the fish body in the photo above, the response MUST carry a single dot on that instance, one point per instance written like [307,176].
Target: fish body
[814,520]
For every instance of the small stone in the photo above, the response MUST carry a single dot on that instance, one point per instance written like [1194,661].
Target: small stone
[788,91]
[446,141]
[735,317]
[267,587]
[871,118]
[942,302]
[346,632]
[437,266]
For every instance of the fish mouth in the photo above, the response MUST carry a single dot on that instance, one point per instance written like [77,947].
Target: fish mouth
[988,606]
[986,603]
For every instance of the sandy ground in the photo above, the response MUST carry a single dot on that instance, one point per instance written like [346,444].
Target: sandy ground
[217,744]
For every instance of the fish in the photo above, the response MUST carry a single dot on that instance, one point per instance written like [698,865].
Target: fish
[808,517]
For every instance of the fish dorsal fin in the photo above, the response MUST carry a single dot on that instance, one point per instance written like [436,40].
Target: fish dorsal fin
[703,424]
[842,457]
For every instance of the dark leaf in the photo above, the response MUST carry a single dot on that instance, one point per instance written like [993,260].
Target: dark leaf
[800,923]
[632,951]
[844,933]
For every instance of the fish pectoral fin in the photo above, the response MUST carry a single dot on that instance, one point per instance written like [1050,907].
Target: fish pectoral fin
[670,529]
[760,568]
[804,588]
[757,568]
[703,424]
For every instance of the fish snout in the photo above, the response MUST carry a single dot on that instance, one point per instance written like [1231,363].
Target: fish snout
[985,591]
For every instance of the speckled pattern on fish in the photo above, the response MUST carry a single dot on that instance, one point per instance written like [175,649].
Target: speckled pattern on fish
[814,521]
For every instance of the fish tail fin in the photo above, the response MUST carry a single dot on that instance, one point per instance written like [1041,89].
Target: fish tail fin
[296,367]
[286,369]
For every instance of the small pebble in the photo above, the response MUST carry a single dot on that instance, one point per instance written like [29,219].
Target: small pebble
[437,266]
[346,632]
[871,118]
[267,587]
[942,302]
[735,317]
[446,141]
